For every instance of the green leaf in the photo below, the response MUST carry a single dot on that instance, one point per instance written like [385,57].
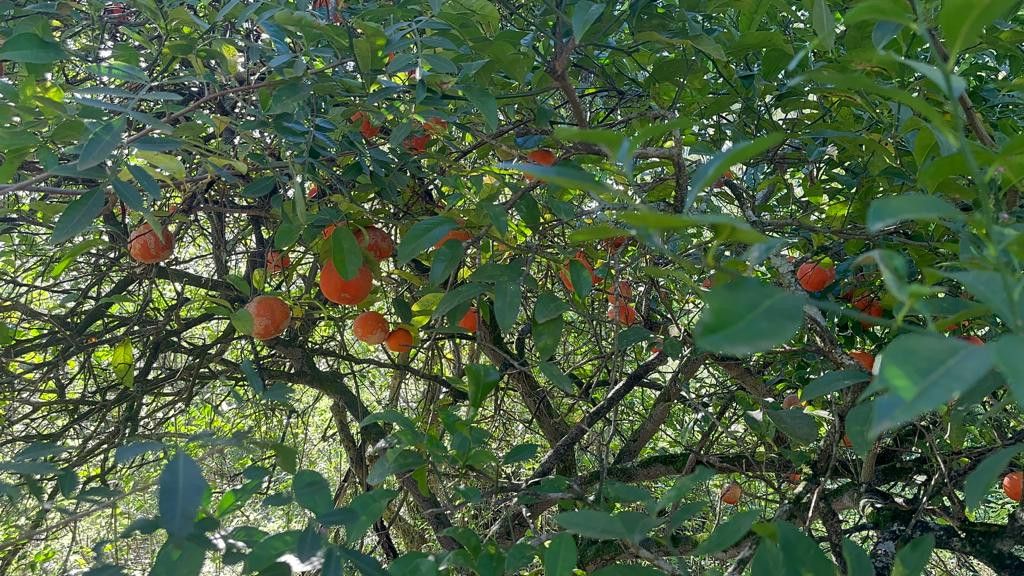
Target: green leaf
[824,23]
[981,480]
[889,210]
[346,254]
[857,561]
[549,306]
[181,491]
[594,524]
[566,176]
[312,491]
[747,316]
[728,533]
[100,143]
[832,382]
[485,103]
[422,236]
[793,543]
[144,179]
[370,507]
[921,372]
[130,195]
[129,452]
[584,15]
[268,550]
[446,259]
[456,296]
[29,48]
[556,377]
[797,424]
[508,298]
[998,290]
[596,232]
[520,453]
[259,187]
[962,21]
[547,336]
[893,267]
[1008,358]
[560,556]
[178,559]
[737,154]
[682,487]
[581,278]
[630,336]
[482,380]
[242,321]
[78,215]
[122,361]
[912,559]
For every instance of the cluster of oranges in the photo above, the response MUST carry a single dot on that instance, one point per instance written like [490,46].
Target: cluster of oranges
[619,296]
[416,144]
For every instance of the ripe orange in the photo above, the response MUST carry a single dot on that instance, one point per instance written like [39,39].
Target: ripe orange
[435,125]
[345,292]
[329,229]
[708,283]
[622,313]
[366,128]
[543,157]
[470,321]
[793,477]
[621,293]
[277,261]
[865,359]
[375,241]
[145,246]
[417,144]
[972,339]
[814,277]
[791,401]
[731,494]
[370,327]
[312,191]
[270,316]
[399,340]
[847,442]
[1012,485]
[613,244]
[460,235]
[567,279]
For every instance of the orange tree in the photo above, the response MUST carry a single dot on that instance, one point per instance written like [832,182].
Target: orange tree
[654,287]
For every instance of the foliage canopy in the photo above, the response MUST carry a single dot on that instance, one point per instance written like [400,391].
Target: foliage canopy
[597,223]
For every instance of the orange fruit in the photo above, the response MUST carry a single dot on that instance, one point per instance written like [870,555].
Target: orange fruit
[417,144]
[1012,484]
[145,246]
[371,327]
[791,401]
[708,283]
[865,359]
[621,293]
[622,313]
[366,128]
[613,244]
[731,494]
[972,339]
[567,279]
[543,157]
[329,229]
[435,125]
[847,442]
[312,191]
[277,261]
[375,241]
[345,292]
[793,477]
[399,340]
[270,316]
[814,277]
[470,320]
[460,235]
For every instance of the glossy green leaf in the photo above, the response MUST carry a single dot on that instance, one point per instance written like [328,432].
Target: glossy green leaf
[746,316]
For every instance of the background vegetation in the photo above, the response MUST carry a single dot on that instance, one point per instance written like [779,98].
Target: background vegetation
[746,202]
